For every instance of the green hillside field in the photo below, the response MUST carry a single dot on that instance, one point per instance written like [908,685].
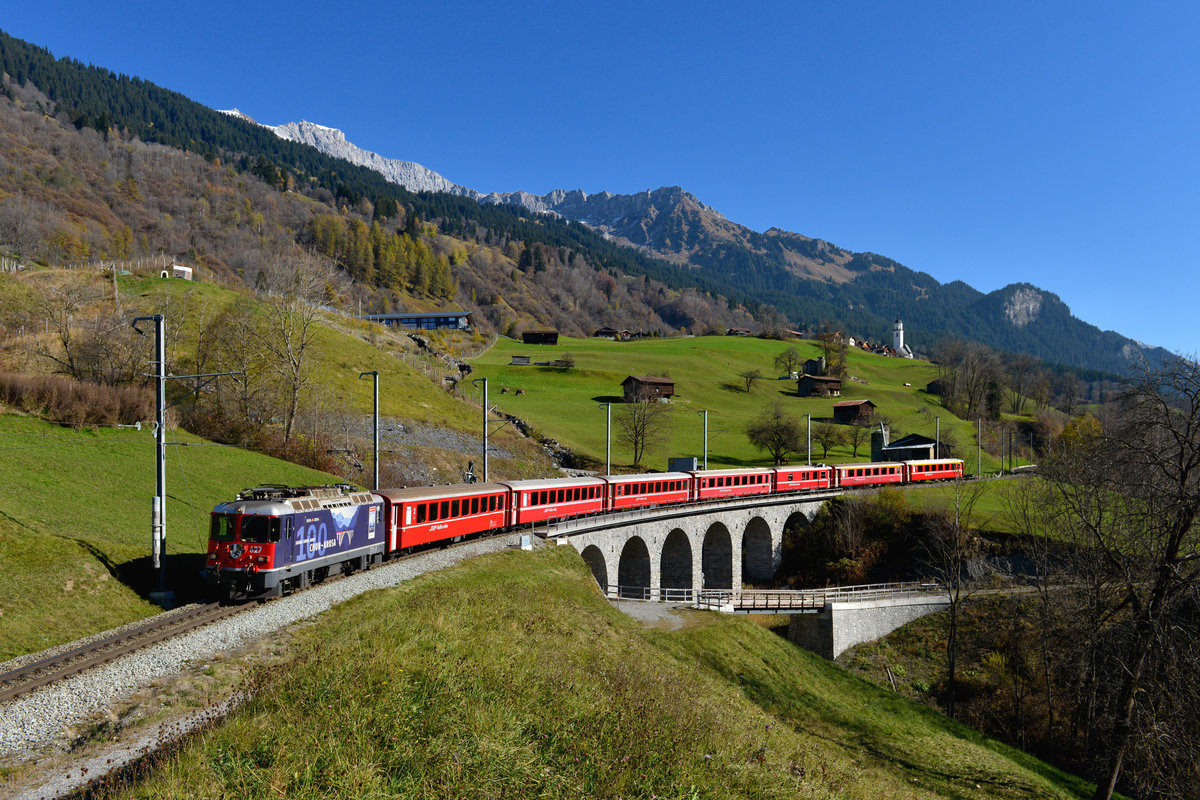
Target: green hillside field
[510,676]
[565,404]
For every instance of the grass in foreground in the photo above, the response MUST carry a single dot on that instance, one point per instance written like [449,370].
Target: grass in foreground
[511,677]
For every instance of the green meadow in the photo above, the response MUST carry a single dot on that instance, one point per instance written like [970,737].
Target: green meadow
[567,403]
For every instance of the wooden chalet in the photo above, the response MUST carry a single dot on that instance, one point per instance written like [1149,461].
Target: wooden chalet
[814,366]
[636,388]
[612,333]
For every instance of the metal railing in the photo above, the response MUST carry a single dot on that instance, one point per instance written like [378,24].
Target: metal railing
[808,599]
[652,594]
[769,600]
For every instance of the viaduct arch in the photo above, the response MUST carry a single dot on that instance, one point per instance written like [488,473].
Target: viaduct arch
[662,550]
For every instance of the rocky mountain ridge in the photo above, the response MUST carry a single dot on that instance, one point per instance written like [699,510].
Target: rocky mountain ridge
[333,142]
[810,280]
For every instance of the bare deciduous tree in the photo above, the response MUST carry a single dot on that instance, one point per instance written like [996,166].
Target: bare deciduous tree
[296,283]
[1128,497]
[643,422]
[776,432]
[857,434]
[65,303]
[951,542]
[750,377]
[788,361]
[828,436]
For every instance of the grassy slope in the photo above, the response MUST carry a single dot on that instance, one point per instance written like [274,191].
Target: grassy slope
[991,512]
[75,522]
[564,403]
[510,676]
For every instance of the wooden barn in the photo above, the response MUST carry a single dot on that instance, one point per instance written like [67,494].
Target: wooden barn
[818,386]
[853,412]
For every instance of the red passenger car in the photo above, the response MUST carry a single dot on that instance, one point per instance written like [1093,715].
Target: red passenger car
[656,489]
[796,479]
[425,514]
[937,469]
[541,500]
[718,483]
[869,474]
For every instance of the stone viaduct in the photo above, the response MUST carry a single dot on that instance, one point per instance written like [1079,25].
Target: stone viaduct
[673,552]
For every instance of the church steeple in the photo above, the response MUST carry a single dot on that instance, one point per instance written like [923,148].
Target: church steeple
[898,340]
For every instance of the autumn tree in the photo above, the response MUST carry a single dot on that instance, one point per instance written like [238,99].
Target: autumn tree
[777,432]
[833,346]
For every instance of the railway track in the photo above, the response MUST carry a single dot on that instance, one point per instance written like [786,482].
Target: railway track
[44,672]
[35,675]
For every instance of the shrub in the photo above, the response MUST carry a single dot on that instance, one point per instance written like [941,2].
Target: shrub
[76,403]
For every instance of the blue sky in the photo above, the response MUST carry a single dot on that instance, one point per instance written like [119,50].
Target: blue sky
[1053,143]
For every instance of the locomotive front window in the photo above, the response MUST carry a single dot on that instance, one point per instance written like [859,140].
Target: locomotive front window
[260,529]
[222,528]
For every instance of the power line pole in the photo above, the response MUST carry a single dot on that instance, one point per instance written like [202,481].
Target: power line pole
[375,426]
[158,520]
[485,426]
[607,438]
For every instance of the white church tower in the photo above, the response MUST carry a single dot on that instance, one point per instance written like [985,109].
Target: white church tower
[898,340]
